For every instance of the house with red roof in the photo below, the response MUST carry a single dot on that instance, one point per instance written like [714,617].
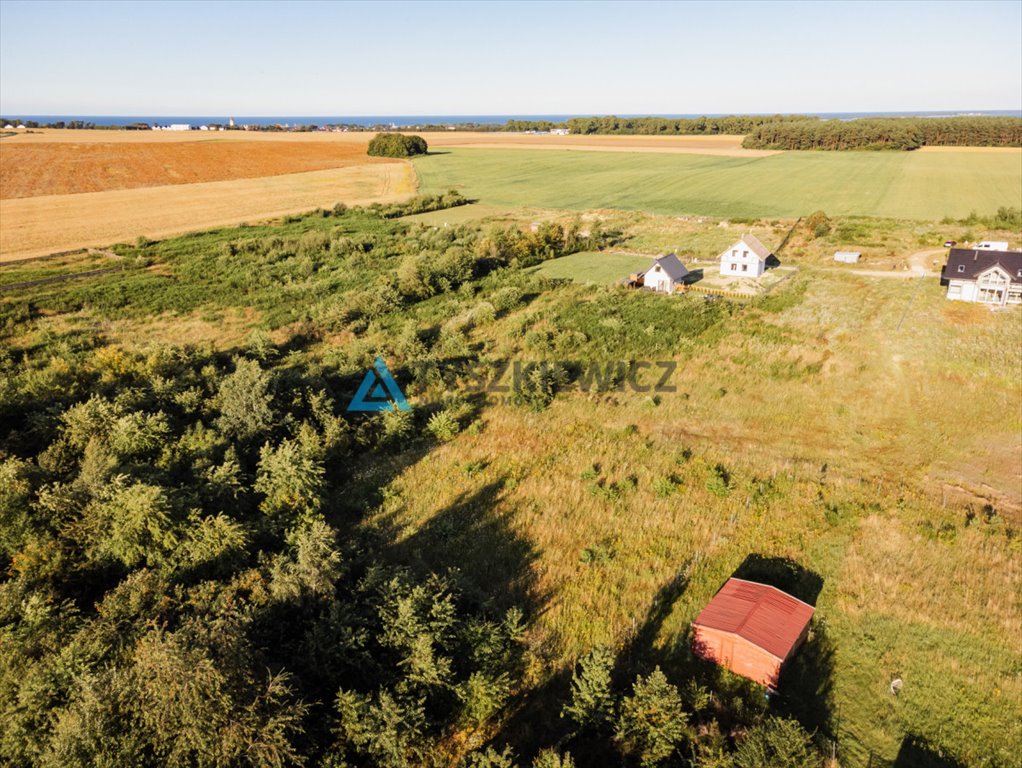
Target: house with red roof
[751,629]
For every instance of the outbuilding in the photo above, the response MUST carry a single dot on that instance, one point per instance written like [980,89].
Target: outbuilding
[752,629]
[847,257]
[665,274]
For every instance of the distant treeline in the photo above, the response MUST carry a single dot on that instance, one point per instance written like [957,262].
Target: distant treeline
[657,126]
[900,133]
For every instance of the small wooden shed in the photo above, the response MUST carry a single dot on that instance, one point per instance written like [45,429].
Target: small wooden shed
[847,257]
[752,629]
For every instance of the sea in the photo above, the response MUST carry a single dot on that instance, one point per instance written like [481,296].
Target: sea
[408,121]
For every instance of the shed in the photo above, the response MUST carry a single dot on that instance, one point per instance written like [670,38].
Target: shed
[752,629]
[847,257]
[665,274]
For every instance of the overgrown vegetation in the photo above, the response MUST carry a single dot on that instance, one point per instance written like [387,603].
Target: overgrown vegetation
[208,561]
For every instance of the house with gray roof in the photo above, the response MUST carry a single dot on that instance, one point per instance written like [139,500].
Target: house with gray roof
[983,276]
[665,275]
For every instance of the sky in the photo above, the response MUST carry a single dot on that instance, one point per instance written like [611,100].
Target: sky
[482,58]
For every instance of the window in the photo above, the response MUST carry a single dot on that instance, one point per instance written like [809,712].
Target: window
[734,254]
[657,268]
[745,267]
[745,254]
[961,267]
[734,267]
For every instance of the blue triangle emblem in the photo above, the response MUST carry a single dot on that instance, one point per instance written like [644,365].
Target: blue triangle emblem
[378,391]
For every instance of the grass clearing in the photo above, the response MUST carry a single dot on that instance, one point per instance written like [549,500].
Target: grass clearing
[890,184]
[603,267]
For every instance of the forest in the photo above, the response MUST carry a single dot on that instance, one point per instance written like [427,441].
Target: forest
[190,576]
[899,133]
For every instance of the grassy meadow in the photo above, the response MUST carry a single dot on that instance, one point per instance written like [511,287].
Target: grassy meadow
[907,185]
[606,268]
[865,428]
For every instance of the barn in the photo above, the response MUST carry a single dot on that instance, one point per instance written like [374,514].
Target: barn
[752,629]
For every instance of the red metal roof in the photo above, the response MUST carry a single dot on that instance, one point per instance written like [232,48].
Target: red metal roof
[761,614]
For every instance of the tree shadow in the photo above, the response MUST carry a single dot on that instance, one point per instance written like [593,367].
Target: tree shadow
[489,560]
[639,652]
[917,752]
[772,262]
[806,685]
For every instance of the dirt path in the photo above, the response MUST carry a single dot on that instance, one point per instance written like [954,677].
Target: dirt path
[923,261]
[920,263]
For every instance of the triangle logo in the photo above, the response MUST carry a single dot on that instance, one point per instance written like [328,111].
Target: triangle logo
[378,391]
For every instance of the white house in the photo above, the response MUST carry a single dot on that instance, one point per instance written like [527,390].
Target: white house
[665,274]
[991,245]
[983,276]
[847,257]
[746,258]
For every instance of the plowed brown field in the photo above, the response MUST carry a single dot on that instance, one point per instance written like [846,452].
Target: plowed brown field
[31,169]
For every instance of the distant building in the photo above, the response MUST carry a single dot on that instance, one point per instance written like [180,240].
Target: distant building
[179,127]
[752,629]
[746,258]
[847,257]
[559,131]
[991,245]
[983,275]
[665,275]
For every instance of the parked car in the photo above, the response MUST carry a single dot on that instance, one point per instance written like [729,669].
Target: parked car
[949,243]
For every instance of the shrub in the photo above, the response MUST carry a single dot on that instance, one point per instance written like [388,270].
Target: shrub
[777,742]
[592,702]
[443,426]
[817,224]
[652,724]
[396,145]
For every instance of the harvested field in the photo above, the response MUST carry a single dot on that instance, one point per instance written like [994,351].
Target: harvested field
[728,146]
[31,169]
[37,226]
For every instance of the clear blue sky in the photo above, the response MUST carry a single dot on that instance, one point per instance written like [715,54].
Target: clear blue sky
[320,58]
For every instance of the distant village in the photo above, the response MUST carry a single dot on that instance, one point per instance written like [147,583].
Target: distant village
[232,125]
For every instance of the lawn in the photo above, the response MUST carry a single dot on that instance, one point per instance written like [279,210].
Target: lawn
[594,267]
[913,185]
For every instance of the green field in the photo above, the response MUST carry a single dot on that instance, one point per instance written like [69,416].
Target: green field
[912,185]
[594,267]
